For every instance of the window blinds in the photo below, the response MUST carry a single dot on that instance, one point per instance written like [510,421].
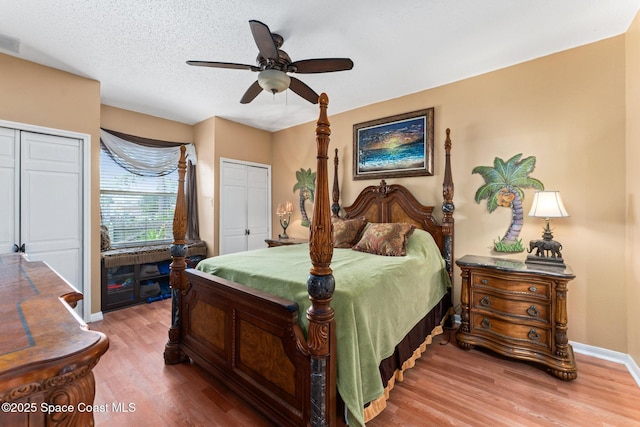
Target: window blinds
[137,210]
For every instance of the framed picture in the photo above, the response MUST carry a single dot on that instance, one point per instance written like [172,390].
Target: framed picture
[393,147]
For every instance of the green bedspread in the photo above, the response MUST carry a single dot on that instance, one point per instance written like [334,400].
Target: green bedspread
[377,301]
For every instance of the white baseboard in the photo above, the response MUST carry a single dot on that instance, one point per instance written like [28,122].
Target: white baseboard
[611,356]
[96,317]
[600,353]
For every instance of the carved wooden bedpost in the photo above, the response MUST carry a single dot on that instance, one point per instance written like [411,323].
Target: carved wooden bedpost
[448,207]
[335,207]
[177,278]
[320,284]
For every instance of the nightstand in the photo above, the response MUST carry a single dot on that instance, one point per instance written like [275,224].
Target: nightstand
[283,242]
[517,310]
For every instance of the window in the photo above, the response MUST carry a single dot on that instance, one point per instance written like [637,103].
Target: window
[137,210]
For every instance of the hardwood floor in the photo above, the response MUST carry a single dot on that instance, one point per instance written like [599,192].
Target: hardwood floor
[448,386]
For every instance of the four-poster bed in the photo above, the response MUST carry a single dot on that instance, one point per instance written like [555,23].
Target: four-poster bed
[256,341]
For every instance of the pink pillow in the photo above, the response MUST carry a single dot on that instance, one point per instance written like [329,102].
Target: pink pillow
[387,239]
[346,232]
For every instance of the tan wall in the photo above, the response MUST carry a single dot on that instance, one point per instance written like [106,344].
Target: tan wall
[144,125]
[205,137]
[633,188]
[38,95]
[216,138]
[567,110]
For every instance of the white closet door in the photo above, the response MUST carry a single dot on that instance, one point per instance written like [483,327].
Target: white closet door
[51,203]
[233,208]
[9,193]
[245,195]
[257,207]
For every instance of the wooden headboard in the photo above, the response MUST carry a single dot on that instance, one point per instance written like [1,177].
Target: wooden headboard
[395,203]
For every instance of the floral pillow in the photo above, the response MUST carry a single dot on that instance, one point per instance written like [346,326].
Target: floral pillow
[346,232]
[388,239]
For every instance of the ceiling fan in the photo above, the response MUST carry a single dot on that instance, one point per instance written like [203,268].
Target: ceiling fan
[274,64]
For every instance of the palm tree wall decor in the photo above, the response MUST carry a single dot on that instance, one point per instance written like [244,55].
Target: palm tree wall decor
[503,188]
[307,186]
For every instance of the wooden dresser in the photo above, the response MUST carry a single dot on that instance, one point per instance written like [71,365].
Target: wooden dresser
[517,310]
[46,352]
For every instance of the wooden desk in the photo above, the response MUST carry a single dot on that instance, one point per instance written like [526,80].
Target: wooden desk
[46,351]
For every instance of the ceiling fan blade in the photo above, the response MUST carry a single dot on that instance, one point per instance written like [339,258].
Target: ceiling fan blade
[251,93]
[230,65]
[303,90]
[325,65]
[264,40]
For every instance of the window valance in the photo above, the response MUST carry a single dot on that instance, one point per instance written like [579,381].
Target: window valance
[152,158]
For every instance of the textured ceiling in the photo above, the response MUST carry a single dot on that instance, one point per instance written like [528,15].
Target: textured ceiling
[137,49]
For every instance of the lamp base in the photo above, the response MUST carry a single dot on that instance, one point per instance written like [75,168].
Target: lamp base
[545,261]
[547,251]
[284,223]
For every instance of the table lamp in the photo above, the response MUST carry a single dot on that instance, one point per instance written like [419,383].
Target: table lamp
[546,251]
[284,211]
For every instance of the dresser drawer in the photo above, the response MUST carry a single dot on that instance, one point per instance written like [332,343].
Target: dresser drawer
[505,331]
[523,309]
[528,287]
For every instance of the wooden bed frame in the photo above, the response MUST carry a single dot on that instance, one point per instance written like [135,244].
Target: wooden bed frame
[252,340]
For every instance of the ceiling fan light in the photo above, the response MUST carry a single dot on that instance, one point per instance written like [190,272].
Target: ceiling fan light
[274,81]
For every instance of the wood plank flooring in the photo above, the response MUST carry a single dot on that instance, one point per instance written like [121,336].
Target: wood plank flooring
[447,387]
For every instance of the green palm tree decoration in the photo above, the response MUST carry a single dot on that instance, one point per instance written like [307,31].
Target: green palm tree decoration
[307,186]
[503,187]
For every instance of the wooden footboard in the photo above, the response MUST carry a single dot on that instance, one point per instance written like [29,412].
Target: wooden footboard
[251,341]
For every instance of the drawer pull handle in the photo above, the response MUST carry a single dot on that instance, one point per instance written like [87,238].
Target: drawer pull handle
[534,335]
[484,281]
[533,289]
[533,311]
[485,323]
[485,302]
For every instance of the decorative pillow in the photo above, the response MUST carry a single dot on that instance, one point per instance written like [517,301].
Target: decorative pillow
[387,239]
[346,232]
[105,240]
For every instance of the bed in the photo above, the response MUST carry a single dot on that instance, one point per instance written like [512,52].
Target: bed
[275,338]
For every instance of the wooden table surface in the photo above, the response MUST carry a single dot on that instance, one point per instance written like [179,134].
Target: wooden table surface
[45,348]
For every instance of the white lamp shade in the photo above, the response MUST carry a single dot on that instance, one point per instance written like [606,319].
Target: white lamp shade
[548,204]
[274,81]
